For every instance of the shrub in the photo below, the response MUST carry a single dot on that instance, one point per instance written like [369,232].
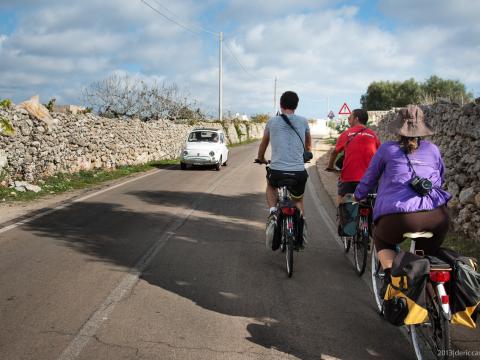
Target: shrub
[236,124]
[342,126]
[6,127]
[5,104]
[51,104]
[260,118]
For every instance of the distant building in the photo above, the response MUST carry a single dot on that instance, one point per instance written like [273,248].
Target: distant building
[242,117]
[68,109]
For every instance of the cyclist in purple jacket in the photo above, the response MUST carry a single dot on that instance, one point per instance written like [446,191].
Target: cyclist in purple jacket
[409,174]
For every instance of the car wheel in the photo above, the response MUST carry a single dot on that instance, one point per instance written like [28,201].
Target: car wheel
[225,163]
[183,166]
[219,164]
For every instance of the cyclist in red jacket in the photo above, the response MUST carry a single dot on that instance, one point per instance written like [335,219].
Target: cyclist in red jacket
[359,143]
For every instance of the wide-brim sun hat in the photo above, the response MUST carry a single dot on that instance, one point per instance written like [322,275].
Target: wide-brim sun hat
[410,123]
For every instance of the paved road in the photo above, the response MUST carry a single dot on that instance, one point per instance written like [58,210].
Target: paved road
[173,266]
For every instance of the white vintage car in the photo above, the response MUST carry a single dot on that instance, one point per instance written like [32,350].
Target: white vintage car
[205,146]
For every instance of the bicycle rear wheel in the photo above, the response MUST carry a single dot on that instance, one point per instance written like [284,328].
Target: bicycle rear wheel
[360,250]
[431,340]
[289,255]
[377,279]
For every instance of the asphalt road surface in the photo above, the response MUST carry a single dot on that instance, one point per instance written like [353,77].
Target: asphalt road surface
[173,265]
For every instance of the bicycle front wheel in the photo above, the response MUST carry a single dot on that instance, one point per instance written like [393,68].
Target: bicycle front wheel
[377,279]
[289,255]
[360,250]
[431,340]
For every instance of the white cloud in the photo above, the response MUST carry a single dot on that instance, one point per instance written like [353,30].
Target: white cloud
[3,38]
[319,48]
[439,12]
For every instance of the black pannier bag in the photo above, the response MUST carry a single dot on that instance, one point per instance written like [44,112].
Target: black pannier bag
[347,214]
[464,289]
[405,301]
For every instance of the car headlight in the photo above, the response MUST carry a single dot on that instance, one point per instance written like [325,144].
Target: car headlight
[185,153]
[212,153]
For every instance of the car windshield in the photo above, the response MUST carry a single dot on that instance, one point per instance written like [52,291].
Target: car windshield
[203,136]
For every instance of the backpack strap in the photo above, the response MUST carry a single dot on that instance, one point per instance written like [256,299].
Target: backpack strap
[351,137]
[287,120]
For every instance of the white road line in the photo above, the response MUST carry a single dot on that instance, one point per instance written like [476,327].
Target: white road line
[25,221]
[332,228]
[92,325]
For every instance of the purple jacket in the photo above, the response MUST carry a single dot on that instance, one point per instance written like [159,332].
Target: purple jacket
[390,170]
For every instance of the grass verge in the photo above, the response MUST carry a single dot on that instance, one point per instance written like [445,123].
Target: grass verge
[60,183]
[331,141]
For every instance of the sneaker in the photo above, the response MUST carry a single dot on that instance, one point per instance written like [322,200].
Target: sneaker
[270,230]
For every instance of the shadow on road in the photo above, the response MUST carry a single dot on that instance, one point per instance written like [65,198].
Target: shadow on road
[218,260]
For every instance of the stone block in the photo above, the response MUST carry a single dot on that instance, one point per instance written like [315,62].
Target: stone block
[467,196]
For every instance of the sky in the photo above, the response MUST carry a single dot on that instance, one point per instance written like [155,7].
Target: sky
[328,51]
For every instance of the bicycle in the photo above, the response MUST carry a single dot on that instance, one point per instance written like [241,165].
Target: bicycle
[432,338]
[287,220]
[363,233]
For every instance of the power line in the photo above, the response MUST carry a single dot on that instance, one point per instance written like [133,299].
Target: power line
[239,62]
[172,18]
[196,32]
[191,23]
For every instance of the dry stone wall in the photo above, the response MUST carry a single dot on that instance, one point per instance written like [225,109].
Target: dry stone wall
[86,141]
[457,134]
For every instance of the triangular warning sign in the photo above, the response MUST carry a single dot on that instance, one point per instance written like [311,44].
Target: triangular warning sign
[344,110]
[331,115]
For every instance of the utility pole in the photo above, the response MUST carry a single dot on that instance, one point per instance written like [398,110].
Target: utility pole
[275,96]
[220,81]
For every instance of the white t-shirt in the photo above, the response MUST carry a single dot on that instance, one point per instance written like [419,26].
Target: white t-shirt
[287,148]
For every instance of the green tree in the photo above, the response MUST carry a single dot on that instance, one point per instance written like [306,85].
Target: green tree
[408,92]
[435,88]
[384,95]
[380,95]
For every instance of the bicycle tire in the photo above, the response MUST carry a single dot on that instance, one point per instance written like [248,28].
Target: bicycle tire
[432,340]
[360,250]
[289,255]
[377,276]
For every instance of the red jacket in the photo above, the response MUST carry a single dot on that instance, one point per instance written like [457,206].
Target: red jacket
[358,152]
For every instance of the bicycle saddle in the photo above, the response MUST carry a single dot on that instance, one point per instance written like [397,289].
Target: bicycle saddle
[416,235]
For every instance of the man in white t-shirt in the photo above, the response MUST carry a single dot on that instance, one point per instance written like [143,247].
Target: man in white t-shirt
[287,159]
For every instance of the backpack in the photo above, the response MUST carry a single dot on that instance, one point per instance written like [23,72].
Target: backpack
[405,299]
[464,289]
